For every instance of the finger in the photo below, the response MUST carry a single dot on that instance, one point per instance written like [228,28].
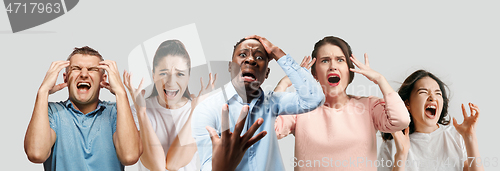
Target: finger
[255,126]
[367,63]
[311,63]
[407,131]
[455,123]
[213,81]
[475,109]
[355,61]
[105,85]
[356,70]
[141,84]
[304,61]
[58,87]
[253,37]
[210,80]
[464,112]
[125,77]
[202,85]
[225,121]
[213,133]
[254,139]
[240,123]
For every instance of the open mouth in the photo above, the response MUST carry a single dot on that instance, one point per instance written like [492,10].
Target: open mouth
[333,79]
[430,111]
[83,86]
[170,93]
[248,77]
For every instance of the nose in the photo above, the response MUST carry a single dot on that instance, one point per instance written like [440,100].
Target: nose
[168,79]
[250,59]
[432,97]
[84,73]
[333,67]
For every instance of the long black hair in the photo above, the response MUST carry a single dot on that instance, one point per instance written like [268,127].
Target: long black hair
[405,92]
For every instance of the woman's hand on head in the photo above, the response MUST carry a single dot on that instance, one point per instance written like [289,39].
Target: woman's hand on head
[365,69]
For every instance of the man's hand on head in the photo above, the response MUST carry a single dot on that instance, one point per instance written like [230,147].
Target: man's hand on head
[274,51]
[115,84]
[49,82]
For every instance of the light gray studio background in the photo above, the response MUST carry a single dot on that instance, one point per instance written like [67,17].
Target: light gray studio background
[457,41]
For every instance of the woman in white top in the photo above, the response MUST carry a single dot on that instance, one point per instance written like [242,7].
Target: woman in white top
[430,143]
[164,118]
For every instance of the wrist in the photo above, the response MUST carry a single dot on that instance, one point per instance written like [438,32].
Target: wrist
[277,53]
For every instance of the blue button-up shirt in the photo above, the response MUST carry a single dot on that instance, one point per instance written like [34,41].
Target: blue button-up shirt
[83,141]
[263,155]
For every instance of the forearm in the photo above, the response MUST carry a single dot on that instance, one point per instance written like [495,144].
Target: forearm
[309,96]
[153,156]
[473,157]
[183,148]
[39,136]
[399,161]
[396,116]
[126,138]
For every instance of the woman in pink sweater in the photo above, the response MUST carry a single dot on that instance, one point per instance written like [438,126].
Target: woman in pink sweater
[341,134]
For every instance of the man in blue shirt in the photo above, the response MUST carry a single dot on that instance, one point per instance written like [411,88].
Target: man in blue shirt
[82,133]
[231,146]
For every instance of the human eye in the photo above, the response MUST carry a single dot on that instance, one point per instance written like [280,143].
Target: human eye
[439,93]
[94,69]
[75,68]
[340,60]
[324,61]
[259,58]
[242,55]
[180,74]
[163,74]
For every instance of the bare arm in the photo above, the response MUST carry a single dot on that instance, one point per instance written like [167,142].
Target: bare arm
[126,137]
[153,156]
[39,137]
[468,131]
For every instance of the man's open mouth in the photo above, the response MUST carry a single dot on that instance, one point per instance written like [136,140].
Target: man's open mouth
[249,77]
[83,86]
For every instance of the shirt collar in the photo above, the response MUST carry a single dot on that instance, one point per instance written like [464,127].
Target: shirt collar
[100,106]
[231,94]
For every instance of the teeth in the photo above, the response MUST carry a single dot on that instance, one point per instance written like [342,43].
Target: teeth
[431,107]
[171,91]
[84,84]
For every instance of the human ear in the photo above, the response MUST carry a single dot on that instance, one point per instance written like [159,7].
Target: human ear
[64,77]
[407,104]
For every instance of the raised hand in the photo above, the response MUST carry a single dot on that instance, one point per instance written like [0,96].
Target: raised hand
[49,82]
[202,95]
[468,127]
[136,94]
[114,84]
[274,51]
[228,150]
[285,81]
[365,69]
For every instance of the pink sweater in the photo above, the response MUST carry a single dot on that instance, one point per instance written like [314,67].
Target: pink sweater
[345,138]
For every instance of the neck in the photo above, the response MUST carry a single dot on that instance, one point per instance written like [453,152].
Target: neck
[336,101]
[247,94]
[85,108]
[177,105]
[426,129]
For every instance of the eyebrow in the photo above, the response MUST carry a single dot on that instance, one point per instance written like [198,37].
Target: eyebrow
[420,89]
[175,69]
